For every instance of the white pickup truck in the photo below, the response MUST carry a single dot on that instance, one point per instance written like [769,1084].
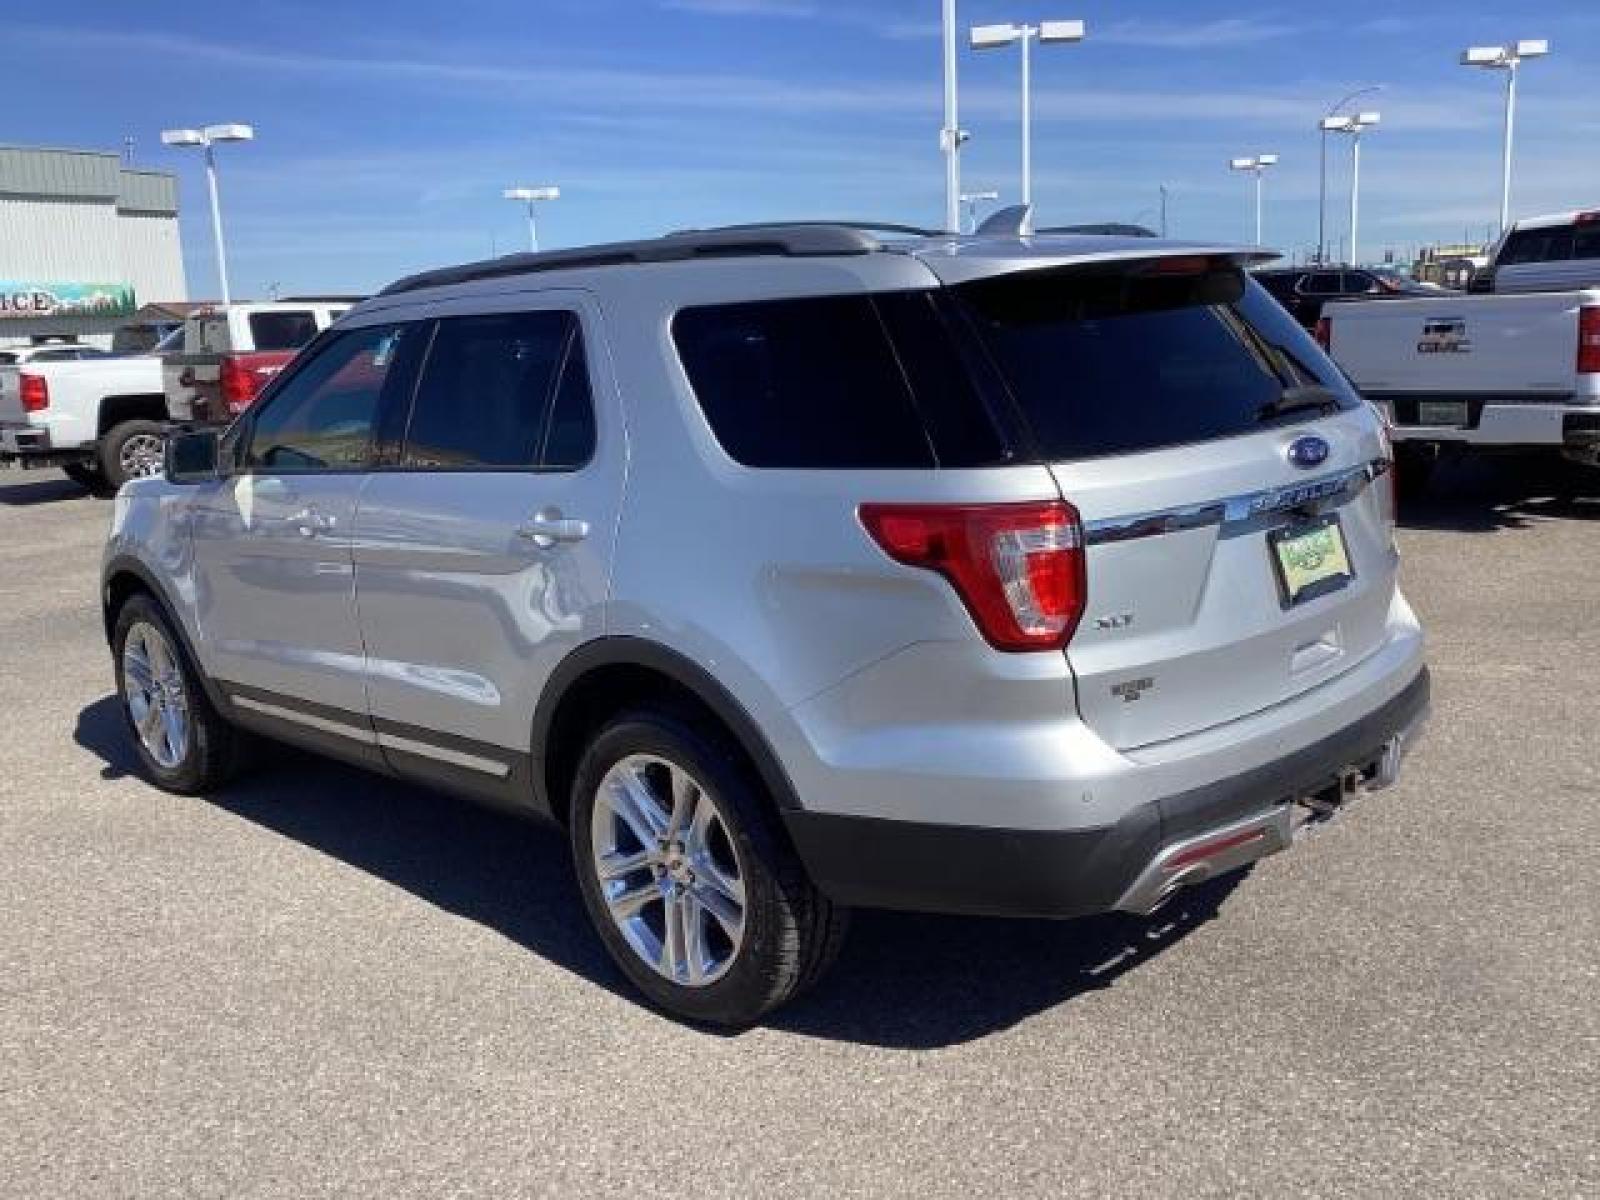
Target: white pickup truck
[1456,372]
[99,419]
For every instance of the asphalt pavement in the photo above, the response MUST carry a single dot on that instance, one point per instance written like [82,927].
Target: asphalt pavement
[322,983]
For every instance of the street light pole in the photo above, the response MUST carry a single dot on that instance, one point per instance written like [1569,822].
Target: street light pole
[216,221]
[950,135]
[1322,168]
[972,200]
[206,138]
[1355,197]
[1354,126]
[1507,58]
[531,196]
[1258,167]
[989,37]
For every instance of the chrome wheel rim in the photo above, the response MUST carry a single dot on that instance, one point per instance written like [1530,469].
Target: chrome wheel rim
[141,456]
[669,876]
[153,689]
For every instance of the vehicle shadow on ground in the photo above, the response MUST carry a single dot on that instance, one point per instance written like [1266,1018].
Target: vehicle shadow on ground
[40,491]
[903,980]
[1495,492]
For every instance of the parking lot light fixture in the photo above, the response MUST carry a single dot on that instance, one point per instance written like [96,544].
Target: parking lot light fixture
[972,200]
[994,37]
[531,196]
[206,139]
[1507,58]
[1354,125]
[1257,166]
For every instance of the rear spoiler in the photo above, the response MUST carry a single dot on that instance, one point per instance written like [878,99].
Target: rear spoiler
[964,263]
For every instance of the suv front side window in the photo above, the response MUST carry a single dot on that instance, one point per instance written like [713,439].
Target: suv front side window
[321,418]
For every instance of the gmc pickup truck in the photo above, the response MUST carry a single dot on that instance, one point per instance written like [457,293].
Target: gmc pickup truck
[1476,372]
[100,419]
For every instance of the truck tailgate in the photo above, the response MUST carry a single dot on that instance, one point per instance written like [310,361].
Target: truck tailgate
[1514,346]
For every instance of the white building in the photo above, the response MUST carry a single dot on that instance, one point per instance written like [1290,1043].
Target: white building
[84,242]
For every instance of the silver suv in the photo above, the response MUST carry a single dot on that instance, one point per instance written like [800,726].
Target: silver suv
[790,569]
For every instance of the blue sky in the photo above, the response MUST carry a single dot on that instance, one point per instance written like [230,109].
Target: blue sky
[387,131]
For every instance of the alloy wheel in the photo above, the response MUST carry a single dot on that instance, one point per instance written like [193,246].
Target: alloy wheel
[668,873]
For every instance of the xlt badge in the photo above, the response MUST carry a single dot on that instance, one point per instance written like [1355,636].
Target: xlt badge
[1131,689]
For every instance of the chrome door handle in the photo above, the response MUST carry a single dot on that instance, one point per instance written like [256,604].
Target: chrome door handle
[546,529]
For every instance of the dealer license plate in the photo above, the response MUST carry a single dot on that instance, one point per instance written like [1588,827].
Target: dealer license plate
[1311,559]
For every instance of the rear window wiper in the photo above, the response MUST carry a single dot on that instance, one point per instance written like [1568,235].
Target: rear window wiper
[1300,398]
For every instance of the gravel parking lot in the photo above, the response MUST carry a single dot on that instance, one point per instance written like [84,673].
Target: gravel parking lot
[324,983]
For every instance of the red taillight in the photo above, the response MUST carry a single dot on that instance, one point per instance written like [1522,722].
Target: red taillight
[35,392]
[239,384]
[1589,340]
[1324,334]
[1019,568]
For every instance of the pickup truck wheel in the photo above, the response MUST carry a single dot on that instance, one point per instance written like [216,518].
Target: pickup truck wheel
[688,878]
[132,450]
[183,743]
[85,476]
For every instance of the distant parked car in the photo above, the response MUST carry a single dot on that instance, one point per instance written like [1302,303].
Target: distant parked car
[1304,290]
[1553,253]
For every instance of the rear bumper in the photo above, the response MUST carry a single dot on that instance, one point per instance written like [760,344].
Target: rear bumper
[1503,424]
[1132,865]
[31,446]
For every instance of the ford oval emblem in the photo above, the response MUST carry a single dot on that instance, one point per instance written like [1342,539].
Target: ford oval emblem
[1309,451]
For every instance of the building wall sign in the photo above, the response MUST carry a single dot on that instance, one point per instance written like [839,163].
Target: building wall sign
[34,300]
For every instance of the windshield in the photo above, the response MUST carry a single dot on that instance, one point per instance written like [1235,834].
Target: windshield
[1104,362]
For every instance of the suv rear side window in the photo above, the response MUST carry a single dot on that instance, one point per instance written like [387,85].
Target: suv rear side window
[321,417]
[282,330]
[503,390]
[1107,363]
[835,382]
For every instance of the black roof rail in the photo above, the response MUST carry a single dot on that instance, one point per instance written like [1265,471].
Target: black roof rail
[787,240]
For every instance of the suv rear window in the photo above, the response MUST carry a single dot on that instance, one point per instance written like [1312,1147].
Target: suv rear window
[282,330]
[1104,362]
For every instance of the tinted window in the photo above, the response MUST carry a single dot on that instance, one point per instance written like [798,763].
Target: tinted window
[282,330]
[1104,363]
[801,383]
[489,389]
[1358,283]
[1281,285]
[1321,283]
[321,417]
[1536,245]
[1586,242]
[7,357]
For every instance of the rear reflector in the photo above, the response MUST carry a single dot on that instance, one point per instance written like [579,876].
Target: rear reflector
[35,392]
[1324,334]
[1018,568]
[1589,340]
[1211,849]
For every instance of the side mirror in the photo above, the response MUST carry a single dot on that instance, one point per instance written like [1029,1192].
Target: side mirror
[192,457]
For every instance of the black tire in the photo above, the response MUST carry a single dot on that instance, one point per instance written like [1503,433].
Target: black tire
[86,476]
[115,440]
[792,931]
[214,747]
